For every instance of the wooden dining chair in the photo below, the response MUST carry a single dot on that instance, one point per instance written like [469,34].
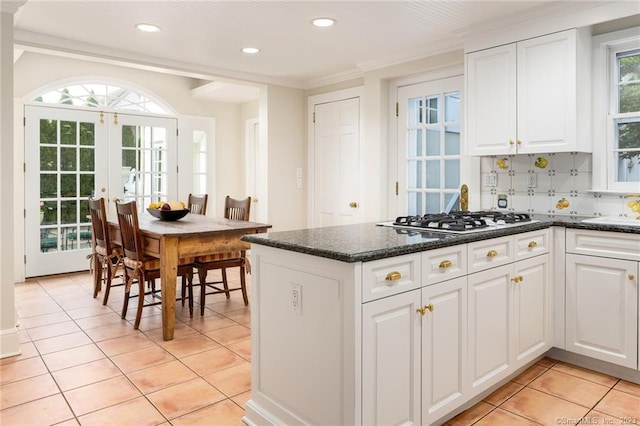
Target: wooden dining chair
[236,210]
[106,257]
[143,269]
[197,204]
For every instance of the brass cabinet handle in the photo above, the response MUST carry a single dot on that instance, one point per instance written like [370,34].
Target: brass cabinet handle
[632,277]
[533,244]
[517,279]
[492,253]
[353,204]
[393,276]
[445,264]
[424,309]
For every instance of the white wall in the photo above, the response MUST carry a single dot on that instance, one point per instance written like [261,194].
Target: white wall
[283,111]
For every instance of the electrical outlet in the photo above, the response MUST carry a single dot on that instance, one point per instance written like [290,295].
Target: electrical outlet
[296,298]
[531,180]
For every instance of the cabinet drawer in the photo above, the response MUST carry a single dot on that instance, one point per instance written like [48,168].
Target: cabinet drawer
[444,264]
[489,253]
[385,277]
[531,244]
[617,245]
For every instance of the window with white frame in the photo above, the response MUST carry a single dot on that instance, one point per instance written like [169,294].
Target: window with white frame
[625,114]
[620,57]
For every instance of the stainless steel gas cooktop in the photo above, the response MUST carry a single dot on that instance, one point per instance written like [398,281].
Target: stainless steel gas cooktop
[461,222]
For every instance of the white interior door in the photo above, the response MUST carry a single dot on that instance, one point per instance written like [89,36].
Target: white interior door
[63,149]
[336,158]
[74,154]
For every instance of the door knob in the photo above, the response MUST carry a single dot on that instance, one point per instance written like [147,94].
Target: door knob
[353,204]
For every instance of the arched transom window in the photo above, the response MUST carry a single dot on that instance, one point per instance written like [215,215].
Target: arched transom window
[101,95]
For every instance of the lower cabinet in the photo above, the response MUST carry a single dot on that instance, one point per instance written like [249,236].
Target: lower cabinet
[509,310]
[602,308]
[391,360]
[427,351]
[444,348]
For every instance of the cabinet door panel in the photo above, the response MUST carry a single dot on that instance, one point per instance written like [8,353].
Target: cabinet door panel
[489,332]
[531,308]
[491,100]
[547,92]
[444,347]
[602,309]
[391,360]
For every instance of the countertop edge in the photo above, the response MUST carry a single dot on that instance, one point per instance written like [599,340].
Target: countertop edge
[271,240]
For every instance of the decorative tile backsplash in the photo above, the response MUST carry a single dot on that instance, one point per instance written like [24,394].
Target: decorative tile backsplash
[546,184]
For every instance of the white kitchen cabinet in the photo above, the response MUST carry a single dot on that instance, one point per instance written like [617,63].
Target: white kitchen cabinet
[444,348]
[532,310]
[529,96]
[509,306]
[602,295]
[489,306]
[391,360]
[602,309]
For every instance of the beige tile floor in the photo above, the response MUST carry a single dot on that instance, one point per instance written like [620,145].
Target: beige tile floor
[82,364]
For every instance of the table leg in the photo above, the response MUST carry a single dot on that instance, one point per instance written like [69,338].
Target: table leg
[168,280]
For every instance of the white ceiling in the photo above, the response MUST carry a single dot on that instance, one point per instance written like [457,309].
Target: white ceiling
[203,38]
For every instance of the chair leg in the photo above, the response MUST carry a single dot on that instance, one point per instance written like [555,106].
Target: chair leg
[97,277]
[225,283]
[190,289]
[107,284]
[243,284]
[125,304]
[202,277]
[140,302]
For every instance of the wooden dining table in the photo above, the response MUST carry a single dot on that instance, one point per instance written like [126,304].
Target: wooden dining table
[193,235]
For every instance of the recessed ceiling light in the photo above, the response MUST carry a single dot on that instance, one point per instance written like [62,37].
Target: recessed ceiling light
[148,28]
[250,50]
[324,22]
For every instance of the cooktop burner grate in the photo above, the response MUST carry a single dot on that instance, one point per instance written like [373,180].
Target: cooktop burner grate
[462,221]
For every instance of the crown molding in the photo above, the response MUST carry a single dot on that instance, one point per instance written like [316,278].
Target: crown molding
[11,6]
[39,43]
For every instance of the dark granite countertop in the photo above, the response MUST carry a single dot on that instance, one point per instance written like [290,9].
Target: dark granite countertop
[367,241]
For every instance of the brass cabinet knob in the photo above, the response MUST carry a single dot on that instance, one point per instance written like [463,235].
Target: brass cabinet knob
[492,253]
[519,142]
[424,309]
[393,276]
[511,142]
[103,189]
[445,264]
[533,244]
[632,277]
[517,279]
[353,204]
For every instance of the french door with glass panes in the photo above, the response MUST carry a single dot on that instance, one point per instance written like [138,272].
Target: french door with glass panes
[430,164]
[74,154]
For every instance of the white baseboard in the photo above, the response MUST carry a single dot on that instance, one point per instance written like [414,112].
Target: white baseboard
[9,343]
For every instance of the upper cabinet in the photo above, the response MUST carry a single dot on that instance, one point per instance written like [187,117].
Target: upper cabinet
[530,96]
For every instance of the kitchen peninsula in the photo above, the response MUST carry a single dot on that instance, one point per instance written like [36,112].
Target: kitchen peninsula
[364,324]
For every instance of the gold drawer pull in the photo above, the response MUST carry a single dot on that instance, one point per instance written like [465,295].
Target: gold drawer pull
[492,253]
[393,276]
[632,277]
[445,264]
[517,279]
[511,142]
[533,244]
[424,309]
